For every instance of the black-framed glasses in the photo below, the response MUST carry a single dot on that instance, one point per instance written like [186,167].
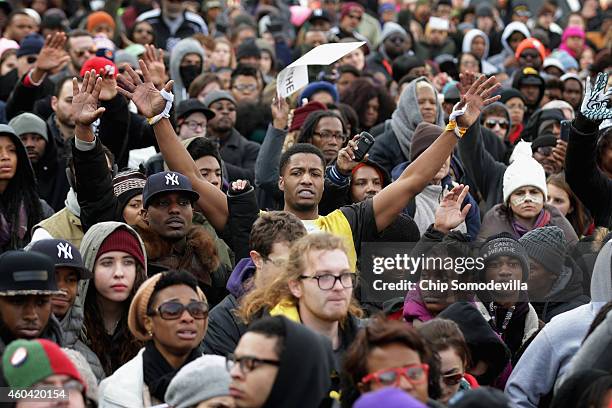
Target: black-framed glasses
[193,125]
[328,281]
[325,135]
[248,363]
[174,310]
[246,87]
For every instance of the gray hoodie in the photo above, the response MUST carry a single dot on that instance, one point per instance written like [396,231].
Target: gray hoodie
[498,60]
[407,115]
[547,358]
[182,48]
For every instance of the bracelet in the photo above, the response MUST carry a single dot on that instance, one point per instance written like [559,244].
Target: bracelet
[169,97]
[459,131]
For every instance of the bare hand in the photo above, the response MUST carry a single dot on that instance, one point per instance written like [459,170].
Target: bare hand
[449,214]
[85,100]
[154,58]
[346,157]
[559,152]
[145,96]
[280,112]
[476,98]
[109,88]
[239,185]
[53,54]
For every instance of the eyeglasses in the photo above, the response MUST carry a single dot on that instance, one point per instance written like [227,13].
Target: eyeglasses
[517,107]
[31,59]
[248,363]
[80,53]
[325,135]
[544,150]
[328,281]
[245,87]
[452,379]
[491,123]
[193,125]
[414,373]
[174,310]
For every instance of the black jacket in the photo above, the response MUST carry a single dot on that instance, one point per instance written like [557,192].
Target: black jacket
[50,172]
[239,155]
[386,150]
[24,99]
[192,24]
[589,183]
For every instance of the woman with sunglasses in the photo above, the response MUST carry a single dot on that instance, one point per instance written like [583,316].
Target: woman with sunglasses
[389,353]
[446,340]
[169,314]
[115,254]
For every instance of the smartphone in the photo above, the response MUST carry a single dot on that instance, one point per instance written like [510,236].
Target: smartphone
[565,130]
[364,144]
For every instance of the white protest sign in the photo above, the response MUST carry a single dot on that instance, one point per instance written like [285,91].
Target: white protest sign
[295,76]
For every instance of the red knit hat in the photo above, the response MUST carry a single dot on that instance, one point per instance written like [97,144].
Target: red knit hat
[103,66]
[350,6]
[124,241]
[364,164]
[301,113]
[531,43]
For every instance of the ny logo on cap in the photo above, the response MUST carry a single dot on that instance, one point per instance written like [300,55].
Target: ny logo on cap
[65,249]
[172,179]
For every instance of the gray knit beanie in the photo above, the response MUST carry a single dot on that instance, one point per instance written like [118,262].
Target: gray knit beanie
[547,246]
[504,244]
[202,379]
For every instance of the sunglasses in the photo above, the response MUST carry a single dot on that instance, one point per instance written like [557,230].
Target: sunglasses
[414,373]
[81,53]
[452,379]
[174,310]
[491,123]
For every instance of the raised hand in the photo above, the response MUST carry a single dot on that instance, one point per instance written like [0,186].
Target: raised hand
[280,112]
[154,58]
[475,99]
[85,100]
[449,214]
[145,96]
[595,103]
[346,157]
[52,55]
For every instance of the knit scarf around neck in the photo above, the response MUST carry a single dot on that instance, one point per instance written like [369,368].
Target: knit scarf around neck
[158,372]
[542,221]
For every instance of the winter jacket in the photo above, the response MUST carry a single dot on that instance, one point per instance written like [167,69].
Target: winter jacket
[224,327]
[547,358]
[590,184]
[376,62]
[239,156]
[23,98]
[164,38]
[426,52]
[72,324]
[126,387]
[64,224]
[496,221]
[243,212]
[393,146]
[498,60]
[52,332]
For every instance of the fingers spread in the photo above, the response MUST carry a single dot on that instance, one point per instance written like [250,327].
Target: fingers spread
[134,78]
[124,92]
[145,71]
[97,88]
[124,83]
[75,87]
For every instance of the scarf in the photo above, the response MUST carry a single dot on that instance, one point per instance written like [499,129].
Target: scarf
[6,227]
[157,372]
[72,204]
[542,221]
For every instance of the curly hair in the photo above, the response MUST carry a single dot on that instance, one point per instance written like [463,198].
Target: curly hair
[122,341]
[360,92]
[266,298]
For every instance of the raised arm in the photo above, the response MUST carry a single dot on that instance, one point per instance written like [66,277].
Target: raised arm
[151,103]
[393,198]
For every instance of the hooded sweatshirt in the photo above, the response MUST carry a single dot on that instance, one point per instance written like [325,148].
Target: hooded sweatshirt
[547,358]
[466,46]
[498,60]
[393,147]
[182,48]
[224,327]
[300,381]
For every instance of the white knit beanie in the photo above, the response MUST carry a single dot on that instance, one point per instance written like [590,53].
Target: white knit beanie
[524,171]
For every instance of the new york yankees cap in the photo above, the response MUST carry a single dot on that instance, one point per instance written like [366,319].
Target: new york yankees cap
[63,253]
[27,273]
[167,182]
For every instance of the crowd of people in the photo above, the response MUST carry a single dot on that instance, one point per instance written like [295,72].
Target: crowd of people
[173,233]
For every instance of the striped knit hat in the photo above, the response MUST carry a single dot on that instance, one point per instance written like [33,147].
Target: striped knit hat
[127,185]
[28,362]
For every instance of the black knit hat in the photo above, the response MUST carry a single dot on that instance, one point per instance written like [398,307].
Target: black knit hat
[127,185]
[547,246]
[504,244]
[247,49]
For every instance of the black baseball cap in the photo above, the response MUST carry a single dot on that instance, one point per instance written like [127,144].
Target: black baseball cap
[189,106]
[63,253]
[320,14]
[27,273]
[167,182]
